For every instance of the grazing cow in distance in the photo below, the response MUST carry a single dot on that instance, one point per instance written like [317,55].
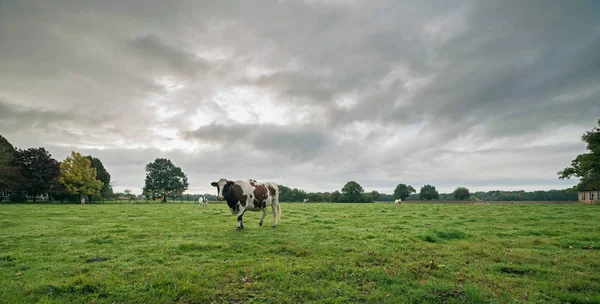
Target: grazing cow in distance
[305,201]
[248,195]
[203,200]
[398,202]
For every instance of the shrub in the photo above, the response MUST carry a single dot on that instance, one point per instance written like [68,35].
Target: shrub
[18,197]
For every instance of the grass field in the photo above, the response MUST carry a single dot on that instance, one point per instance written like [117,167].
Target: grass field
[324,253]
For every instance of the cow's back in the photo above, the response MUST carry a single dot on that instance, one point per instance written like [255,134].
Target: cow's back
[273,189]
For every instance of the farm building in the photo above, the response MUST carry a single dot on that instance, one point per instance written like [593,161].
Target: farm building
[588,196]
[4,194]
[589,191]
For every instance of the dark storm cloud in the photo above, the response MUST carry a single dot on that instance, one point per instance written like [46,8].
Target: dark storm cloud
[295,143]
[14,117]
[160,53]
[514,65]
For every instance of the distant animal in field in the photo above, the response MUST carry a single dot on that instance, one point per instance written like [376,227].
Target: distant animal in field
[398,202]
[203,201]
[305,201]
[248,195]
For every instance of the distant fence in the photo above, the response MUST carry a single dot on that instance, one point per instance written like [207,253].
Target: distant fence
[489,202]
[184,201]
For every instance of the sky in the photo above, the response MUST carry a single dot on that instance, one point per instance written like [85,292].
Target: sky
[488,95]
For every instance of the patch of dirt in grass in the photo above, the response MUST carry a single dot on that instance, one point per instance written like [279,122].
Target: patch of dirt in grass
[445,296]
[98,259]
[7,258]
[515,271]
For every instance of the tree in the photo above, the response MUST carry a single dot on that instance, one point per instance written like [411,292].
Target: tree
[38,170]
[6,152]
[353,191]
[428,192]
[586,166]
[128,194]
[285,193]
[164,179]
[8,173]
[375,195]
[78,177]
[101,175]
[336,197]
[58,191]
[461,193]
[403,191]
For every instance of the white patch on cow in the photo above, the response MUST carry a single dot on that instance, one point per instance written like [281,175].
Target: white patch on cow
[220,184]
[248,191]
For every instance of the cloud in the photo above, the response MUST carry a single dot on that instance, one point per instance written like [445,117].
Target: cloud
[308,93]
[294,143]
[14,117]
[153,49]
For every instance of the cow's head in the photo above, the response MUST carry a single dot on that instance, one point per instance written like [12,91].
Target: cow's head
[222,186]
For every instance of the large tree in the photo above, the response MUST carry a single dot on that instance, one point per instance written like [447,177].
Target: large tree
[78,176]
[586,166]
[6,152]
[102,175]
[461,193]
[403,191]
[38,170]
[353,191]
[375,195]
[428,192]
[164,179]
[7,170]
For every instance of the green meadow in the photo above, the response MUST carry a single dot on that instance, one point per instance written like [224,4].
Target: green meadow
[319,253]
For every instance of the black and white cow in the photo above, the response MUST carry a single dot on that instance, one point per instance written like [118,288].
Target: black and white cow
[203,201]
[244,195]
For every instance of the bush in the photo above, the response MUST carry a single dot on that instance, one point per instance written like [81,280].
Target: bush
[18,197]
[461,193]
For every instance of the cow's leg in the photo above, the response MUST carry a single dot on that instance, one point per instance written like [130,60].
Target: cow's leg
[240,225]
[276,211]
[262,217]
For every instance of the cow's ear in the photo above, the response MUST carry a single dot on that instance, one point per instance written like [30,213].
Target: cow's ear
[214,184]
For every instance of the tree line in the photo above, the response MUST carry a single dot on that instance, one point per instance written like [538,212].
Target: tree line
[426,193]
[34,173]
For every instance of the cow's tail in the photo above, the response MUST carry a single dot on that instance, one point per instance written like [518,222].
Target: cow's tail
[278,212]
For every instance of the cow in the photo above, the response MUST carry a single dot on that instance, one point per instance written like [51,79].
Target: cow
[398,202]
[246,195]
[305,201]
[203,201]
